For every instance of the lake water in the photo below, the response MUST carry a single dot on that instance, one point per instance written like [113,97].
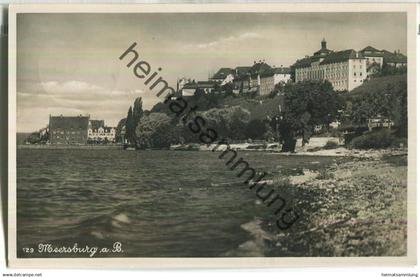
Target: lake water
[156,203]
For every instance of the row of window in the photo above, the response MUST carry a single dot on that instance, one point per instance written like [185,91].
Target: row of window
[101,131]
[67,132]
[67,138]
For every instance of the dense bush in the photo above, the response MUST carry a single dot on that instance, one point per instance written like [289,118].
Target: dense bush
[331,145]
[373,140]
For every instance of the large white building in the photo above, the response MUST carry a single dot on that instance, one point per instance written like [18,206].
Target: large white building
[345,69]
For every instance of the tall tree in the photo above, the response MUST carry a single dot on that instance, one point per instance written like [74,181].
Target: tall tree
[137,110]
[130,126]
[307,104]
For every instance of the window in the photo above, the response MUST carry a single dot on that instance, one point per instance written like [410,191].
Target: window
[361,74]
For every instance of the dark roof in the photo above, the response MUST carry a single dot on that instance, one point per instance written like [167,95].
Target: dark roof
[341,56]
[305,62]
[267,73]
[282,70]
[322,52]
[370,48]
[242,70]
[222,73]
[69,122]
[390,57]
[200,84]
[95,124]
[369,51]
[260,68]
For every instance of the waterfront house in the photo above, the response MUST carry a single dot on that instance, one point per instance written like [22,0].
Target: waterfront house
[98,132]
[68,129]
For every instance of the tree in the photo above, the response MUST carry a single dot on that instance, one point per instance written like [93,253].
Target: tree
[256,129]
[137,110]
[155,131]
[134,115]
[130,127]
[385,97]
[307,104]
[119,128]
[33,138]
[229,122]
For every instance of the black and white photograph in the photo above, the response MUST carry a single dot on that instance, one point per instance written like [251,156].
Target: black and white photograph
[212,133]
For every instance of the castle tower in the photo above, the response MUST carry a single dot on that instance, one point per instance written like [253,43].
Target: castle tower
[323,44]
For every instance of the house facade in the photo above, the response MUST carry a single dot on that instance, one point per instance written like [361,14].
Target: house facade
[68,129]
[98,132]
[102,134]
[282,75]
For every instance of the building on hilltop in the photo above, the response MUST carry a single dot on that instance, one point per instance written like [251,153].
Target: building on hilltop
[68,129]
[260,78]
[395,59]
[373,55]
[282,75]
[190,88]
[222,74]
[346,69]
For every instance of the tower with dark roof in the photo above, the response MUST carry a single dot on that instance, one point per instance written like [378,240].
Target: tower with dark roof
[323,44]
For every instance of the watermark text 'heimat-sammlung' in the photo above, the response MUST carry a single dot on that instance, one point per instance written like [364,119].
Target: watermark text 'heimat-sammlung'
[179,106]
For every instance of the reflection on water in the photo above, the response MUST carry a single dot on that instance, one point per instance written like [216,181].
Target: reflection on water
[156,203]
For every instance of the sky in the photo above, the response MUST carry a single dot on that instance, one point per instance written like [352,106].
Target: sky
[68,63]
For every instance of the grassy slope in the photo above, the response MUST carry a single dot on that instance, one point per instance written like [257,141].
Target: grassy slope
[378,84]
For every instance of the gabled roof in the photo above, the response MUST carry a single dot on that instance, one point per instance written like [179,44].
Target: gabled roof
[305,62]
[222,73]
[69,122]
[369,48]
[342,56]
[369,51]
